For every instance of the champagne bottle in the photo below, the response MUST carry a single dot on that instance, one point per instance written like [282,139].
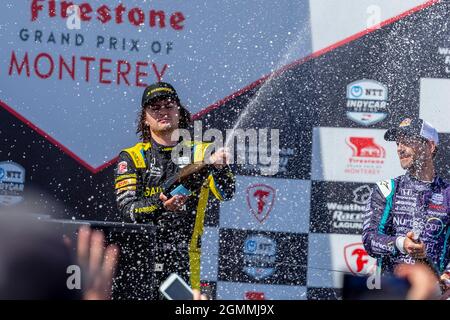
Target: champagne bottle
[418,225]
[426,260]
[187,180]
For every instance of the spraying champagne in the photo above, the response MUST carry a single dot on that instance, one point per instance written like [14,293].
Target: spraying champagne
[187,180]
[191,177]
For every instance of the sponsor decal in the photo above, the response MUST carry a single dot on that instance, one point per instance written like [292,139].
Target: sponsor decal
[407,193]
[125,176]
[125,183]
[122,167]
[146,209]
[285,155]
[385,247]
[262,257]
[353,155]
[362,194]
[183,161]
[437,198]
[367,157]
[12,183]
[405,123]
[254,295]
[348,216]
[133,188]
[151,191]
[259,256]
[260,200]
[434,227]
[365,147]
[339,207]
[154,170]
[357,259]
[367,102]
[403,220]
[436,207]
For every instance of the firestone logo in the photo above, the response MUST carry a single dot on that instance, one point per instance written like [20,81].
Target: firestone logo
[357,259]
[367,156]
[153,18]
[260,200]
[254,295]
[365,147]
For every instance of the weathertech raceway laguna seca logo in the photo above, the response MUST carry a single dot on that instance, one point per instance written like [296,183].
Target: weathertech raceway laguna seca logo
[367,158]
[358,260]
[260,200]
[347,216]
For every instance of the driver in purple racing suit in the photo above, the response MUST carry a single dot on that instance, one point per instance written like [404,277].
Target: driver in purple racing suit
[407,219]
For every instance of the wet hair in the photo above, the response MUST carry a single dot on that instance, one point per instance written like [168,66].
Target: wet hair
[435,147]
[143,130]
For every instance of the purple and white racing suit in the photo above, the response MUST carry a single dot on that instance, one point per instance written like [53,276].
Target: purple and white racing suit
[395,207]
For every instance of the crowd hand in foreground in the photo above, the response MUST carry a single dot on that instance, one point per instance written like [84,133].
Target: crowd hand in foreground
[97,263]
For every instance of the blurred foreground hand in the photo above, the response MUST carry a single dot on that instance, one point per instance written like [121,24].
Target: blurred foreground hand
[424,283]
[198,295]
[98,264]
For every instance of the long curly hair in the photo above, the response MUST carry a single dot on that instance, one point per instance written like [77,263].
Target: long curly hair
[143,130]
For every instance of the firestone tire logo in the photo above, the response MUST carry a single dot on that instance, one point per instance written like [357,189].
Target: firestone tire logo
[254,295]
[365,147]
[367,157]
[260,200]
[357,259]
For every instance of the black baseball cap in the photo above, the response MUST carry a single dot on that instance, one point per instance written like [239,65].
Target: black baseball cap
[159,90]
[413,128]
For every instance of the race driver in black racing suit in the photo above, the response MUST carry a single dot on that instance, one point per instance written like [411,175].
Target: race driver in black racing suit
[142,169]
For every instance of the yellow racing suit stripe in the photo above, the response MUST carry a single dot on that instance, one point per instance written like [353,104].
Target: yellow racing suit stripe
[194,250]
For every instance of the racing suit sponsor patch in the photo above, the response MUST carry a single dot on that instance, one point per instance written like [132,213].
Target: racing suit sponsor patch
[125,189]
[146,209]
[122,167]
[385,187]
[126,182]
[152,191]
[125,176]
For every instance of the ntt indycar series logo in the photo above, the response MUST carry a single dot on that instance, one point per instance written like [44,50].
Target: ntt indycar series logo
[12,182]
[367,102]
[259,256]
